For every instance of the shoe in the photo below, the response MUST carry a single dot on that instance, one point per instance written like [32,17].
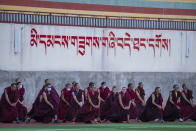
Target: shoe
[27,121]
[162,121]
[63,121]
[55,121]
[185,118]
[137,120]
[18,121]
[156,120]
[180,120]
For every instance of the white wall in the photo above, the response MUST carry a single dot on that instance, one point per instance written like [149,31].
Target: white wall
[32,58]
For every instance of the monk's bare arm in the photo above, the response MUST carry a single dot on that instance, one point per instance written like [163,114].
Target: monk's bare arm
[90,101]
[99,99]
[192,103]
[130,102]
[82,98]
[170,98]
[75,99]
[179,100]
[120,101]
[153,101]
[183,95]
[20,101]
[63,98]
[46,100]
[138,95]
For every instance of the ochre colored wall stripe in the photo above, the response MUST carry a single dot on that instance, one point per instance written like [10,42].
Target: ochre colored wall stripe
[105,8]
[101,13]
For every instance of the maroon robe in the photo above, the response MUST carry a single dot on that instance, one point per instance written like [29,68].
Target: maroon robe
[193,116]
[139,106]
[171,112]
[125,101]
[133,110]
[115,112]
[152,112]
[22,110]
[74,108]
[35,103]
[109,104]
[9,113]
[88,112]
[104,94]
[63,107]
[44,112]
[186,109]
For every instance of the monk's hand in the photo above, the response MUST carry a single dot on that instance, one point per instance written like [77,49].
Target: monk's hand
[126,108]
[159,107]
[13,104]
[96,106]
[52,106]
[21,102]
[134,104]
[67,103]
[80,104]
[177,107]
[143,103]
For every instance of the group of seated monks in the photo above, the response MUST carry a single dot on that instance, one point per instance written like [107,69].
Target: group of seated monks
[99,105]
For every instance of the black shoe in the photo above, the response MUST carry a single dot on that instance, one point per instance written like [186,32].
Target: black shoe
[18,121]
[27,121]
[64,121]
[185,118]
[161,121]
[55,121]
[137,119]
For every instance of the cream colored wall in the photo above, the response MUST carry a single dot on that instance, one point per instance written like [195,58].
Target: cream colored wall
[63,59]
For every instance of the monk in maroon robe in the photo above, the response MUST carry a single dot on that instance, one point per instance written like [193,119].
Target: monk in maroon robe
[187,105]
[110,103]
[85,95]
[124,104]
[8,108]
[66,98]
[114,108]
[120,106]
[133,109]
[47,109]
[153,109]
[172,108]
[140,100]
[85,107]
[76,103]
[37,101]
[22,110]
[91,109]
[104,92]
